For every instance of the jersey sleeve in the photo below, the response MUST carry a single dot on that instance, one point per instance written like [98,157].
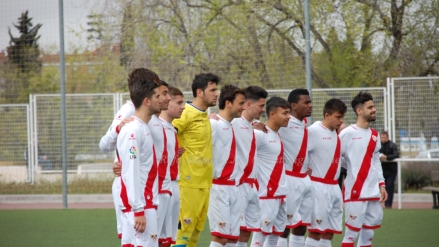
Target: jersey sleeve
[128,148]
[311,141]
[260,138]
[180,123]
[376,163]
[109,140]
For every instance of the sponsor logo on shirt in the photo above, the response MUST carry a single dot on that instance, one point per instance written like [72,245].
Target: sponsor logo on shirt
[272,141]
[356,138]
[244,128]
[225,128]
[133,152]
[326,138]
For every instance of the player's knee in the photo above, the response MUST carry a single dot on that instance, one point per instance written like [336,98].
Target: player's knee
[286,233]
[244,236]
[299,231]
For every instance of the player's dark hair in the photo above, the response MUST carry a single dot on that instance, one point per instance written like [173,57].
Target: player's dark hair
[228,93]
[141,83]
[334,105]
[385,133]
[163,83]
[360,99]
[294,95]
[173,92]
[201,81]
[275,102]
[254,93]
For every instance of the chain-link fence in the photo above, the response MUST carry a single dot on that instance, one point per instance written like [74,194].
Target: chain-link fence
[415,115]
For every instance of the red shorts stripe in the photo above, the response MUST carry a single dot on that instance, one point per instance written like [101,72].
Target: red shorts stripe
[324,231]
[362,200]
[353,228]
[323,180]
[165,192]
[347,244]
[371,227]
[296,174]
[224,235]
[224,182]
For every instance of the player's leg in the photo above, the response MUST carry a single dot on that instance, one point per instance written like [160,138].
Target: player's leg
[372,220]
[175,207]
[305,211]
[251,215]
[268,214]
[191,203]
[294,198]
[128,232]
[390,187]
[235,213]
[149,237]
[279,224]
[319,215]
[163,212]
[115,190]
[202,216]
[219,214]
[334,220]
[355,213]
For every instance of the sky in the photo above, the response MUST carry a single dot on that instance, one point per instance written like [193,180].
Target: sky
[46,12]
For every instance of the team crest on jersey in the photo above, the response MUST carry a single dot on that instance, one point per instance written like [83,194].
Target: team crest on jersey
[352,217]
[187,221]
[154,237]
[289,216]
[119,117]
[266,222]
[133,152]
[319,221]
[374,138]
[242,217]
[222,224]
[132,137]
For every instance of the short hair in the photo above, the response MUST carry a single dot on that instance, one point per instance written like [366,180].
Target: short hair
[173,92]
[141,83]
[334,105]
[294,95]
[163,83]
[384,133]
[360,99]
[228,93]
[254,93]
[275,102]
[201,81]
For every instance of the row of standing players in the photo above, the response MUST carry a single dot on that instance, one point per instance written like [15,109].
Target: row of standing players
[264,181]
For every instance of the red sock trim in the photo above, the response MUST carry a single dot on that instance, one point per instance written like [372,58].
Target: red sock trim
[347,244]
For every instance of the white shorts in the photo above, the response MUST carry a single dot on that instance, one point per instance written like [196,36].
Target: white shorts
[175,209]
[363,214]
[273,215]
[300,201]
[164,219]
[248,201]
[328,209]
[148,238]
[115,190]
[224,211]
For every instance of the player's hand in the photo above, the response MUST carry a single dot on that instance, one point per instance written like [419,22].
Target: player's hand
[117,168]
[124,122]
[213,116]
[180,152]
[383,157]
[309,171]
[259,126]
[383,194]
[140,223]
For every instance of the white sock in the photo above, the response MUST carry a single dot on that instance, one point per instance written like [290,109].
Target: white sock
[215,244]
[310,242]
[297,241]
[258,239]
[349,237]
[230,245]
[325,243]
[366,236]
[271,240]
[282,242]
[241,244]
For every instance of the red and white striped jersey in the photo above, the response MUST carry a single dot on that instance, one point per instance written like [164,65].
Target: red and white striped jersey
[139,186]
[224,152]
[245,149]
[171,151]
[158,137]
[295,140]
[360,149]
[270,163]
[324,153]
[109,140]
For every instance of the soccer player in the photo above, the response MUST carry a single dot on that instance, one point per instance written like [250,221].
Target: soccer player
[248,197]
[139,192]
[300,198]
[224,211]
[364,183]
[170,182]
[271,175]
[195,136]
[109,141]
[324,160]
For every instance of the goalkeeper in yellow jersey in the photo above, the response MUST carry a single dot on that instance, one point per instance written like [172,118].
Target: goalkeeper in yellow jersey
[196,169]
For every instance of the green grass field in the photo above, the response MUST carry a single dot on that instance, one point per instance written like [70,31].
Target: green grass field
[96,227]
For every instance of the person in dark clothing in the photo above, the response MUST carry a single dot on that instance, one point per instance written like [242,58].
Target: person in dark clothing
[343,171]
[388,152]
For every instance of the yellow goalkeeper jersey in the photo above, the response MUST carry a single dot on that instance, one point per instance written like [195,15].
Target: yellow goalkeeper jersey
[195,136]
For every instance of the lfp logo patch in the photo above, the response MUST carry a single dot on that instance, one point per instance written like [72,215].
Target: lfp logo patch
[133,152]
